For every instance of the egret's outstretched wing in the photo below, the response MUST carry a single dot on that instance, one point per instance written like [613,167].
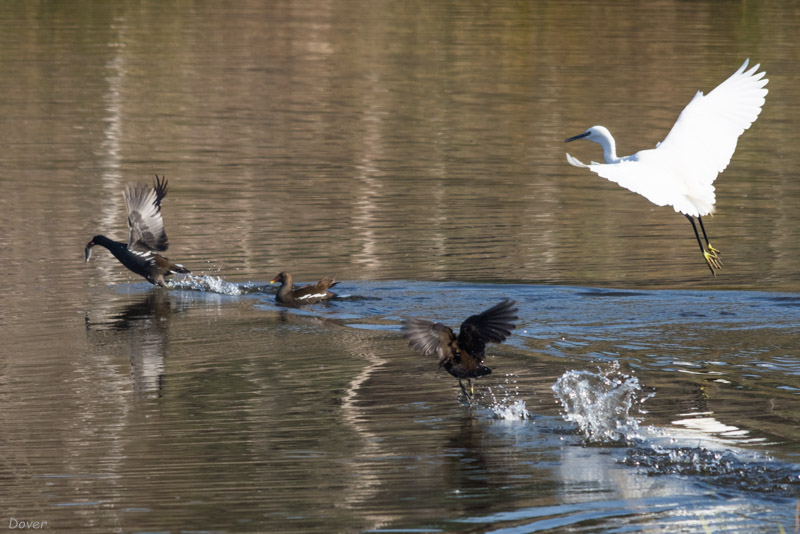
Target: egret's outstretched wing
[651,174]
[704,137]
[146,227]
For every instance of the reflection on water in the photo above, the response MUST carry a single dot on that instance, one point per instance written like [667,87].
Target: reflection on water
[144,324]
[392,143]
[299,419]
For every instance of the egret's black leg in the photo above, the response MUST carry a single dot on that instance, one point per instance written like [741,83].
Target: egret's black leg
[694,227]
[714,252]
[711,260]
[703,228]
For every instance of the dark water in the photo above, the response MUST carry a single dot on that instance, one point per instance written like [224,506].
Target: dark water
[416,150]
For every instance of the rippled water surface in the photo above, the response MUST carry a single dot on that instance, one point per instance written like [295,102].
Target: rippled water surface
[415,150]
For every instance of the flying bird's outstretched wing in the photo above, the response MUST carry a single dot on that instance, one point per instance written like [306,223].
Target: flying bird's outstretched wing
[704,137]
[648,173]
[495,324]
[429,338]
[146,227]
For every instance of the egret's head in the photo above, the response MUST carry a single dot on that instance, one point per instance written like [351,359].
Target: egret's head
[598,134]
[601,136]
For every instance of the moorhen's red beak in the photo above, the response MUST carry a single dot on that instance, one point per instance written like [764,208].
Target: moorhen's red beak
[274,280]
[88,251]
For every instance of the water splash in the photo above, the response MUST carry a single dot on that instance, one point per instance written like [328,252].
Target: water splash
[514,411]
[506,404]
[212,284]
[600,403]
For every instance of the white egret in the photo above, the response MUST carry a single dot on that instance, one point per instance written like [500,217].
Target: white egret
[681,170]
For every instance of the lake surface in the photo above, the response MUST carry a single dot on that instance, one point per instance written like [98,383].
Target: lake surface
[416,150]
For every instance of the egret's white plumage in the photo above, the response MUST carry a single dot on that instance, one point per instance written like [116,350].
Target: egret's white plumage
[681,170]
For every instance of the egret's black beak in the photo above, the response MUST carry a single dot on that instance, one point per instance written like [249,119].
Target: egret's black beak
[87,252]
[579,136]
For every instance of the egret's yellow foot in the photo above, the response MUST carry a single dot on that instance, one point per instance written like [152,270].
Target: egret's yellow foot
[712,261]
[715,259]
[716,253]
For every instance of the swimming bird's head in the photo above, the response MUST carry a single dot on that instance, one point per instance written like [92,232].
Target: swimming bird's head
[282,278]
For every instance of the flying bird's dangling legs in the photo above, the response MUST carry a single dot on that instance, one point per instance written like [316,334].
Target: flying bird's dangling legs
[712,260]
[714,252]
[464,390]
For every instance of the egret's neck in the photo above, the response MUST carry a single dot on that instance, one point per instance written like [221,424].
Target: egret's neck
[609,148]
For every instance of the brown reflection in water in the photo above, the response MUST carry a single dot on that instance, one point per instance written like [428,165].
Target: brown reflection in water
[144,323]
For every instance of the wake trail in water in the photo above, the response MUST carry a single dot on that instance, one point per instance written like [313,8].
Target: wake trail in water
[216,284]
[601,404]
[742,470]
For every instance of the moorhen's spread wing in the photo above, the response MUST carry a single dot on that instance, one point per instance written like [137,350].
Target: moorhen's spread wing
[144,216]
[492,326]
[430,338]
[462,356]
[146,235]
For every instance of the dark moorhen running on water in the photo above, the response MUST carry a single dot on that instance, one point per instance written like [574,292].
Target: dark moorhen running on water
[462,356]
[309,294]
[146,237]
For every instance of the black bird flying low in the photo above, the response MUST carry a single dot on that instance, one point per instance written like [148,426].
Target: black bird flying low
[462,356]
[309,294]
[146,236]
